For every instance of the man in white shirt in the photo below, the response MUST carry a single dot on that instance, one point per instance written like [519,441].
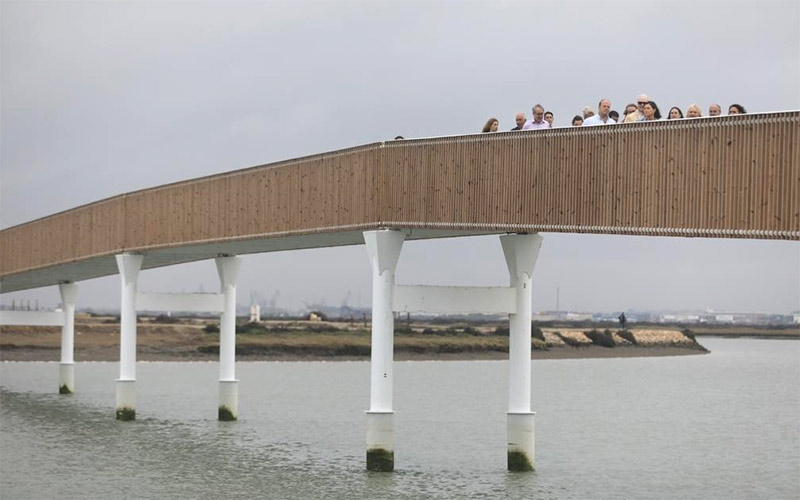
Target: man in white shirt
[538,119]
[601,118]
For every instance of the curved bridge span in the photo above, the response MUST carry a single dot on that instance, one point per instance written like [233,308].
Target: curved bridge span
[727,177]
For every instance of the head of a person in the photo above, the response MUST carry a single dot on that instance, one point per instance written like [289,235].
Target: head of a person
[694,111]
[399,138]
[651,112]
[736,109]
[641,101]
[603,107]
[587,112]
[492,124]
[714,110]
[614,115]
[520,119]
[630,108]
[577,121]
[548,117]
[674,113]
[538,113]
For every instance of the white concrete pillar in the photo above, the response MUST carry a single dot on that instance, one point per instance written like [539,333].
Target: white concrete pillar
[521,251]
[129,266]
[384,248]
[66,382]
[228,269]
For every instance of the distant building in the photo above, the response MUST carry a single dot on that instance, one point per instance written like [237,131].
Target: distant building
[679,318]
[561,316]
[255,313]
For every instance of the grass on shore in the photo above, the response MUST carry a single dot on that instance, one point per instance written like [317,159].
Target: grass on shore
[324,342]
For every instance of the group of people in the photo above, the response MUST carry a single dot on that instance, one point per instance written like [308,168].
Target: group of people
[645,109]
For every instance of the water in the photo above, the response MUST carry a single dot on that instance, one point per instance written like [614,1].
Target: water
[720,426]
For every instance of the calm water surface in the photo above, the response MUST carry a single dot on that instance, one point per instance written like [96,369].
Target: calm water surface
[718,426]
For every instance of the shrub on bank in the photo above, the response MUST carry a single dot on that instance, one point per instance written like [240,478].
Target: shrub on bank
[539,345]
[602,339]
[501,331]
[628,335]
[536,332]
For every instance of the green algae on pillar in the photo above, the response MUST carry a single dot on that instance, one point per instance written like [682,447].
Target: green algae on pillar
[225,414]
[380,460]
[126,414]
[64,389]
[519,462]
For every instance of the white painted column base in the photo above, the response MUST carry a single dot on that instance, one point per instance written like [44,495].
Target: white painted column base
[228,400]
[126,399]
[521,438]
[66,378]
[380,441]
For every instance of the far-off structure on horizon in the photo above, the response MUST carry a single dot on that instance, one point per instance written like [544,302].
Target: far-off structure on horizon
[721,177]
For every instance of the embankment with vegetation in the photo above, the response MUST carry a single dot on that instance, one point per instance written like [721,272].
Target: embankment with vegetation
[163,338]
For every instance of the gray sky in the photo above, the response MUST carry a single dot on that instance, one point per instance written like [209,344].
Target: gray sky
[101,98]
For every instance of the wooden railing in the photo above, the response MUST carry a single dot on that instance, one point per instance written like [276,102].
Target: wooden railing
[729,177]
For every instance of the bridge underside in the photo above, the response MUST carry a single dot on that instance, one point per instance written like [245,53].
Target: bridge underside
[106,265]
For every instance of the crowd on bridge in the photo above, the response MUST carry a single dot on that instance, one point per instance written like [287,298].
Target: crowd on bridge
[645,109]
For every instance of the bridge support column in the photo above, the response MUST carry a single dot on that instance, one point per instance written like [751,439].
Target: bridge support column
[384,248]
[228,269]
[521,251]
[129,266]
[66,379]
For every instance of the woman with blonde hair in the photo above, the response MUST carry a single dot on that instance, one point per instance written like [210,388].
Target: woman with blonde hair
[492,124]
[694,111]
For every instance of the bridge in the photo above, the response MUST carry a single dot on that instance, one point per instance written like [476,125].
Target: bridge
[723,177]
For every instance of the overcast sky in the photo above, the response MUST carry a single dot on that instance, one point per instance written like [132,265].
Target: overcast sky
[100,98]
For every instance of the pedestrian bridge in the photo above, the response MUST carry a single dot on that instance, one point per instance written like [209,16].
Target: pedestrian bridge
[725,177]
[728,177]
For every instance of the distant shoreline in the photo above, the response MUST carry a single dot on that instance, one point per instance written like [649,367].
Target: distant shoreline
[197,339]
[111,354]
